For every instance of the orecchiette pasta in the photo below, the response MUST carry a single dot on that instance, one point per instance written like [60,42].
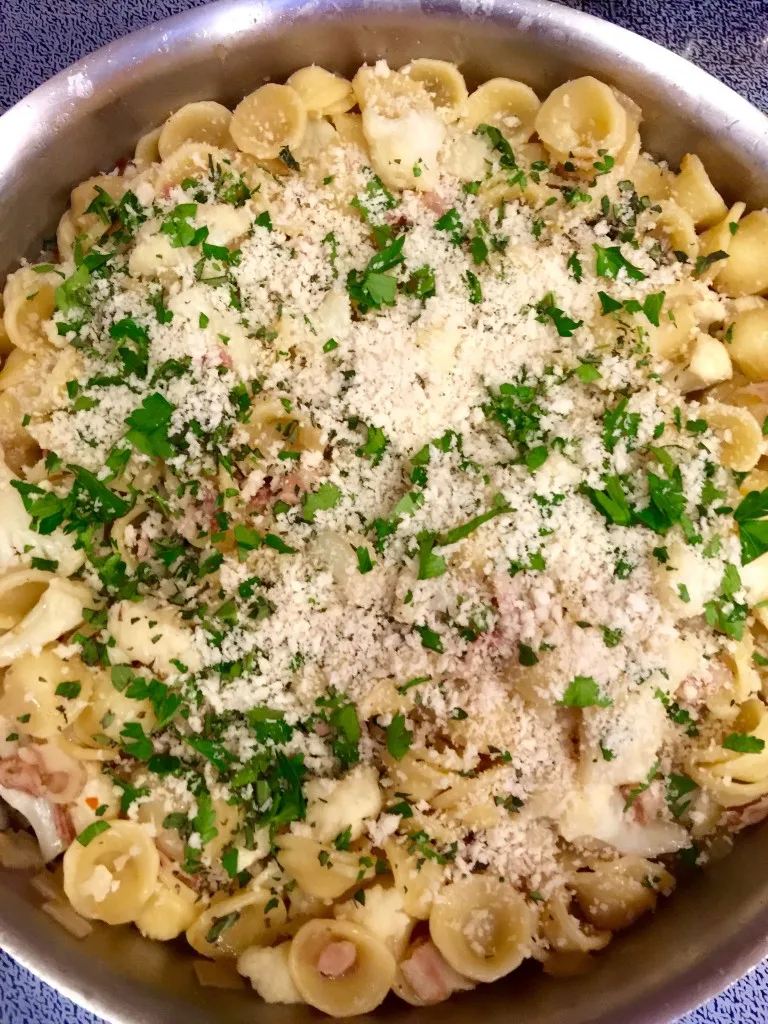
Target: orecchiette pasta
[340,968]
[319,870]
[417,880]
[182,164]
[748,346]
[59,609]
[107,713]
[383,560]
[444,83]
[322,92]
[694,192]
[676,227]
[29,302]
[613,894]
[147,151]
[579,119]
[742,442]
[565,933]
[483,928]
[508,105]
[745,271]
[113,876]
[151,635]
[44,693]
[736,778]
[716,242]
[171,909]
[231,925]
[204,121]
[651,179]
[269,120]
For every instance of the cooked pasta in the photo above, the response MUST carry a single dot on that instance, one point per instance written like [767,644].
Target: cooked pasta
[383,556]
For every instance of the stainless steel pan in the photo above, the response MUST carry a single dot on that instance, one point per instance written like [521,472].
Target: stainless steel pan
[716,926]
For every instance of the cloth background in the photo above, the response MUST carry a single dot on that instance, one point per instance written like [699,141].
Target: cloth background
[40,37]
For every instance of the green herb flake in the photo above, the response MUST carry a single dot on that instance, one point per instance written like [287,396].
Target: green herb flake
[364,562]
[703,263]
[575,267]
[70,690]
[743,743]
[474,288]
[430,639]
[751,514]
[398,737]
[678,787]
[44,564]
[547,310]
[610,262]
[326,497]
[220,925]
[583,692]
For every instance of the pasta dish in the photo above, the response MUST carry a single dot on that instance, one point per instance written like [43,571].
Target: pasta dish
[384,535]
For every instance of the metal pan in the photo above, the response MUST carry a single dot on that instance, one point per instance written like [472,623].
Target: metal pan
[716,927]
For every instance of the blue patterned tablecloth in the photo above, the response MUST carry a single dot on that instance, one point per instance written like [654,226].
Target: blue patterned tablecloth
[40,37]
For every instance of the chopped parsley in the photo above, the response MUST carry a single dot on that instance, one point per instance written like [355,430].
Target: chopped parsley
[583,692]
[327,496]
[398,737]
[610,263]
[96,828]
[743,743]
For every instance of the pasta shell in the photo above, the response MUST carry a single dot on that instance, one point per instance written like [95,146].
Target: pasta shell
[269,120]
[320,870]
[739,433]
[749,343]
[506,104]
[123,854]
[614,894]
[204,121]
[675,226]
[444,83]
[44,694]
[340,968]
[322,92]
[483,927]
[248,923]
[171,909]
[719,239]
[29,301]
[746,270]
[693,190]
[580,119]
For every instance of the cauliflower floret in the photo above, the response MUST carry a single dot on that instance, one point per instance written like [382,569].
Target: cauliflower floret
[382,914]
[335,805]
[266,967]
